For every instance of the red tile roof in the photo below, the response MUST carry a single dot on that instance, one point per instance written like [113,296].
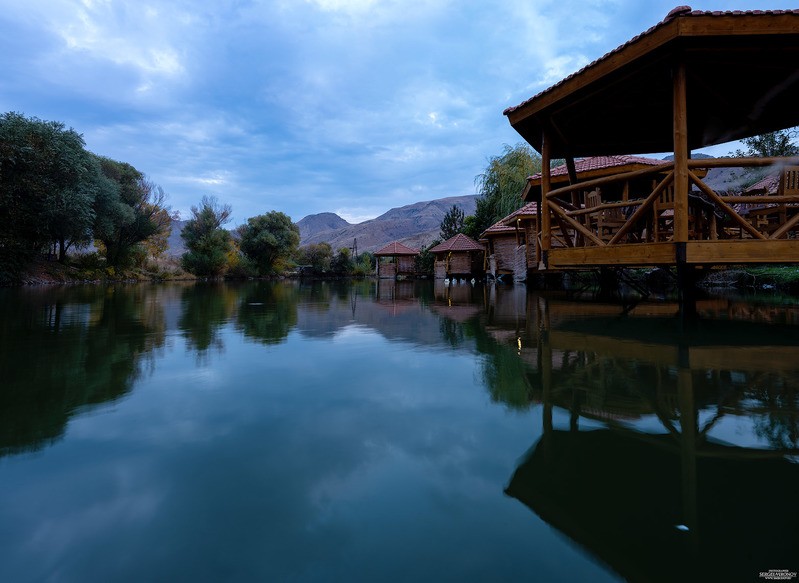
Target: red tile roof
[678,12]
[599,163]
[459,242]
[504,225]
[769,184]
[397,248]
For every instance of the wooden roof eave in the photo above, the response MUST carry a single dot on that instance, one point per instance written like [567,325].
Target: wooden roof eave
[649,56]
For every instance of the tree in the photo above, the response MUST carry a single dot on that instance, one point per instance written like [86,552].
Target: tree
[317,255]
[207,243]
[425,261]
[269,239]
[452,223]
[342,262]
[47,187]
[128,210]
[771,144]
[501,185]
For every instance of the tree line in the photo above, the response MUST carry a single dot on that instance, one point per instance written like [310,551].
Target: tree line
[265,245]
[56,195]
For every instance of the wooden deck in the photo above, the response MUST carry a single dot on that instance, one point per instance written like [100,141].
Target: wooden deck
[712,229]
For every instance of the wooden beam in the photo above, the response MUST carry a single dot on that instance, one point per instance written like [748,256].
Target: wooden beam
[575,224]
[789,224]
[590,184]
[742,162]
[733,251]
[632,254]
[645,206]
[563,229]
[680,154]
[546,228]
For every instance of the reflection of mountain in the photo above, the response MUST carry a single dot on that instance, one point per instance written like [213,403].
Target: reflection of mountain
[66,350]
[396,310]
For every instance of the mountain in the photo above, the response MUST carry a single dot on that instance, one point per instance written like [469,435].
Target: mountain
[414,225]
[315,224]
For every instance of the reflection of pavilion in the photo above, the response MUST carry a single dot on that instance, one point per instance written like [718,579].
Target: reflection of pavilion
[658,490]
[662,510]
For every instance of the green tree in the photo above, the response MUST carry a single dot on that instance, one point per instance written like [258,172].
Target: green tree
[207,243]
[452,223]
[47,187]
[425,261]
[317,255]
[771,144]
[342,262]
[364,264]
[128,211]
[267,240]
[501,185]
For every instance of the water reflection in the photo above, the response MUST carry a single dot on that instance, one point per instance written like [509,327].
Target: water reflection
[66,350]
[665,448]
[669,448]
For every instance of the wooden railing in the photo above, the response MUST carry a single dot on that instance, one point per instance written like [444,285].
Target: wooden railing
[579,213]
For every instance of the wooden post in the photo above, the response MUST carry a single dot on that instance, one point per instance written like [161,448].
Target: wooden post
[572,170]
[680,155]
[546,232]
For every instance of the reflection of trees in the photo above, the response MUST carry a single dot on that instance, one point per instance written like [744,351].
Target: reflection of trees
[65,350]
[205,308]
[268,311]
[776,403]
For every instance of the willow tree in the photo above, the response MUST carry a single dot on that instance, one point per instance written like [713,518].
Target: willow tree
[500,186]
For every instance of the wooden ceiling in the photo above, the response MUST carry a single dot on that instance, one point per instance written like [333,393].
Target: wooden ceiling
[742,80]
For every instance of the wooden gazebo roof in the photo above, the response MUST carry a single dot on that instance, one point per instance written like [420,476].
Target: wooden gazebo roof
[742,80]
[506,225]
[396,248]
[459,242]
[596,166]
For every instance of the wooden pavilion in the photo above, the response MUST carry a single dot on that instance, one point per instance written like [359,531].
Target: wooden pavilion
[395,259]
[458,257]
[674,88]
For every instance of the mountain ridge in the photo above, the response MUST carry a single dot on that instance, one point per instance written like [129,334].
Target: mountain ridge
[414,225]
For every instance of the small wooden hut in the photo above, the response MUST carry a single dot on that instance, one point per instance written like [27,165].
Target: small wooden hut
[458,257]
[511,242]
[395,259]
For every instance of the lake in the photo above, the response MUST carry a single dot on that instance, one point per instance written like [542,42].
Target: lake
[394,431]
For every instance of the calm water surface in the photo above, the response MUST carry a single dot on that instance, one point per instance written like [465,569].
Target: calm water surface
[393,432]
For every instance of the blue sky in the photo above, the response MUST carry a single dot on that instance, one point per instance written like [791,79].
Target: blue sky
[303,106]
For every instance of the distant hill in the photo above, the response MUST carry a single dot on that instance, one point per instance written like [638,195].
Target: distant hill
[414,225]
[175,246]
[314,224]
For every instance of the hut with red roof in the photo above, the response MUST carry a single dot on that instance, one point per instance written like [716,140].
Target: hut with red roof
[510,243]
[396,260]
[458,256]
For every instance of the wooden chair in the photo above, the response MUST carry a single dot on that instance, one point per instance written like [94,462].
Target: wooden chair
[610,220]
[663,215]
[593,199]
[770,217]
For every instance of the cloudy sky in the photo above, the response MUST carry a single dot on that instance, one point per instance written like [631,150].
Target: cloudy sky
[303,106]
